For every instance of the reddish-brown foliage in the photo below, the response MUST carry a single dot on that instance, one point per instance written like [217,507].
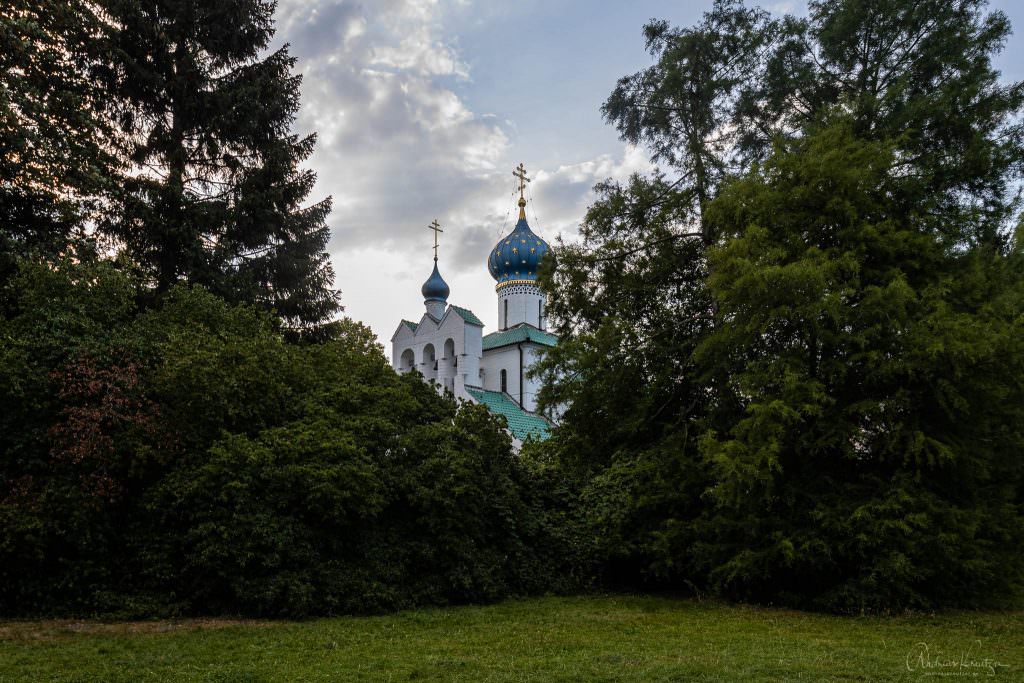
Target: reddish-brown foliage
[105,418]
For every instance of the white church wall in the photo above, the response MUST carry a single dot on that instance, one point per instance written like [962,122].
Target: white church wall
[451,340]
[401,341]
[532,353]
[494,361]
[446,351]
[507,358]
[422,345]
[469,361]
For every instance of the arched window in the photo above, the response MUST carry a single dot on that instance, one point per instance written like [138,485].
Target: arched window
[448,366]
[540,315]
[504,379]
[429,362]
[505,326]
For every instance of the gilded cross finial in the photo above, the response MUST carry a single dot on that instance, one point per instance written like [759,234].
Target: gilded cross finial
[520,172]
[436,227]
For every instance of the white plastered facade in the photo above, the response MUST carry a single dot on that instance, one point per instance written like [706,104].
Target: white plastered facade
[449,351]
[446,351]
[515,360]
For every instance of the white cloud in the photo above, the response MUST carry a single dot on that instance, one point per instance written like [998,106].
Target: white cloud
[398,147]
[563,194]
[795,7]
[395,141]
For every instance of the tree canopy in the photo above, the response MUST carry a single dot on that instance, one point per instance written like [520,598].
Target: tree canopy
[205,118]
[803,330]
[55,160]
[161,129]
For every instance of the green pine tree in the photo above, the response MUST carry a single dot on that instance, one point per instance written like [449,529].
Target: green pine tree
[54,160]
[870,416]
[216,196]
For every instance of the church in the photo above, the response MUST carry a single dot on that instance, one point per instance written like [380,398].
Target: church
[447,345]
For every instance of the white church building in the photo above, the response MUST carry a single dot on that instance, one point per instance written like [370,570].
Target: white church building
[449,348]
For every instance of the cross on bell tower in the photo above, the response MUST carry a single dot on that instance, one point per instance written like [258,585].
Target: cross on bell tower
[436,227]
[435,290]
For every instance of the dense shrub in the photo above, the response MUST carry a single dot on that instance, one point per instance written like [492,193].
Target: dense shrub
[189,459]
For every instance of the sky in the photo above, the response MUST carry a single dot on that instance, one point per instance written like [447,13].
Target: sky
[422,109]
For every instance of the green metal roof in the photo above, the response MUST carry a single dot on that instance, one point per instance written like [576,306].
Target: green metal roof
[468,315]
[519,334]
[521,423]
[411,325]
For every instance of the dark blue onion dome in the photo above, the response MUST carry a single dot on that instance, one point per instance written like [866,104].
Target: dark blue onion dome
[435,288]
[517,256]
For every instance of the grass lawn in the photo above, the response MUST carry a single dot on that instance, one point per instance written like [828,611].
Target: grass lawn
[611,638]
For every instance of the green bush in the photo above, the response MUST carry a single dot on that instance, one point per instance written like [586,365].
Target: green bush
[187,459]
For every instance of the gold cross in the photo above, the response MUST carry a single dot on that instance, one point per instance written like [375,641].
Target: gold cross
[436,227]
[520,173]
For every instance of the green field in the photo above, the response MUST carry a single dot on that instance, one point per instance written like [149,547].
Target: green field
[611,638]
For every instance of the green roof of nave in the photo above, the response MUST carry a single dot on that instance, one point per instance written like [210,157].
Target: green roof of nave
[521,423]
[521,333]
[464,313]
[468,315]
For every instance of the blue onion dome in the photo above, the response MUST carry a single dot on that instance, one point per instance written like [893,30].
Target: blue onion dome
[518,255]
[435,288]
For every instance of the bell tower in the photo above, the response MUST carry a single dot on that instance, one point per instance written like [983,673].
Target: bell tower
[435,290]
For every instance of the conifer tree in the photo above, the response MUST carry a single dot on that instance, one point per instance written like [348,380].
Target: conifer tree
[864,445]
[54,159]
[217,195]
